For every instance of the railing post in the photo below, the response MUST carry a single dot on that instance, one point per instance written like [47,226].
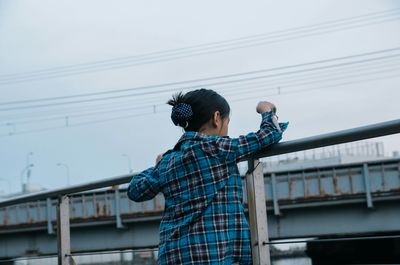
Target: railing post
[367,186]
[257,214]
[117,207]
[63,231]
[48,212]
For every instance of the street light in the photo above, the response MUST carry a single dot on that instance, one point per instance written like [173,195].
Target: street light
[67,169]
[28,169]
[129,162]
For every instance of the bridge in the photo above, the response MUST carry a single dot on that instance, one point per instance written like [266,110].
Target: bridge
[359,199]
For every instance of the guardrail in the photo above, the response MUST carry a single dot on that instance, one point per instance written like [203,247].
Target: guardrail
[295,188]
[255,187]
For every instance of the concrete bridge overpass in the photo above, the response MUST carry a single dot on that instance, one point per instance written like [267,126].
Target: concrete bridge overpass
[342,200]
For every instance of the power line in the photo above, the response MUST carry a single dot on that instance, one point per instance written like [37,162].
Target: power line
[232,100]
[156,102]
[379,13]
[189,87]
[252,87]
[348,69]
[279,82]
[80,124]
[222,88]
[176,57]
[109,64]
[249,88]
[318,87]
[203,80]
[261,88]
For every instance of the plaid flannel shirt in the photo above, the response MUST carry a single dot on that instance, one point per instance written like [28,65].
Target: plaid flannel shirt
[203,221]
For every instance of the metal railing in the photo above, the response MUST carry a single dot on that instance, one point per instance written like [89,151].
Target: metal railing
[254,179]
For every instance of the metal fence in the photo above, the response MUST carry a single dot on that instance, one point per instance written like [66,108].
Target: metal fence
[254,183]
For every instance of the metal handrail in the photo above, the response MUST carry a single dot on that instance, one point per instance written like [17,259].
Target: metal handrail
[339,137]
[354,134]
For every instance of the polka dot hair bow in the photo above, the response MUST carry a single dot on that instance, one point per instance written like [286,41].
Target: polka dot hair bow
[181,113]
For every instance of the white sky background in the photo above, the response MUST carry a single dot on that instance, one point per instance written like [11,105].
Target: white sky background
[36,35]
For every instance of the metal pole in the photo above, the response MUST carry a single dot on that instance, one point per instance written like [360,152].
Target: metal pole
[27,158]
[22,177]
[257,214]
[28,173]
[117,207]
[275,194]
[338,137]
[63,233]
[48,212]
[367,186]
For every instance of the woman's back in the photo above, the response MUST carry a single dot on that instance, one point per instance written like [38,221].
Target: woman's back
[203,220]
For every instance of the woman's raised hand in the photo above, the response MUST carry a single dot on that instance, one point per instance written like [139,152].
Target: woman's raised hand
[265,106]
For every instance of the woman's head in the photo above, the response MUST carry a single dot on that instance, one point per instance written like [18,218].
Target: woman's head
[201,110]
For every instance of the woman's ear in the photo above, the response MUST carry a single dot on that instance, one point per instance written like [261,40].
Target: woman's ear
[216,119]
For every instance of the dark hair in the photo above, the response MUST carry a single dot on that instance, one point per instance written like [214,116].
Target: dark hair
[195,108]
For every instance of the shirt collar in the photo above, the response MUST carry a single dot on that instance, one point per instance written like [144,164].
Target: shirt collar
[191,135]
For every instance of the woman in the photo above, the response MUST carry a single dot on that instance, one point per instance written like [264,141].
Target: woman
[203,220]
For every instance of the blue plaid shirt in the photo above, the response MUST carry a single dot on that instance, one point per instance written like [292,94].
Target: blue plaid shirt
[203,220]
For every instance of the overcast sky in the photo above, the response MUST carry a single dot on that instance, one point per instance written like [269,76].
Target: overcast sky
[37,35]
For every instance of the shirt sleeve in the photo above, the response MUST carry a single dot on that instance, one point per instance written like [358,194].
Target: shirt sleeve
[235,149]
[145,185]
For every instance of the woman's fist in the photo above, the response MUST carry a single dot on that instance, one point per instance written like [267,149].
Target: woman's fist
[265,106]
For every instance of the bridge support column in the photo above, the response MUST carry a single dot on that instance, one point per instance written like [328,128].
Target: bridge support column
[257,214]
